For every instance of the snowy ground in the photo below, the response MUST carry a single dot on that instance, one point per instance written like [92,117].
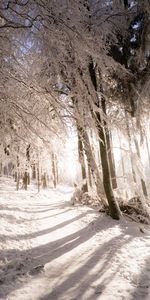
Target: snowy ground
[52,250]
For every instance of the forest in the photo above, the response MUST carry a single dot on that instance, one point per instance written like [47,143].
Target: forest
[74,121]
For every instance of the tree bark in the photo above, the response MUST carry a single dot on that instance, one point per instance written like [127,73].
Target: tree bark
[109,150]
[33,171]
[92,163]
[113,205]
[103,132]
[27,176]
[126,3]
[18,174]
[82,161]
[147,147]
[56,166]
[44,181]
[143,184]
[25,180]
[54,170]
[130,147]
[1,169]
[38,174]
[89,176]
[122,164]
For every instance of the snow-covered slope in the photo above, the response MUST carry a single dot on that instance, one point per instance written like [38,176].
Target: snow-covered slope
[52,250]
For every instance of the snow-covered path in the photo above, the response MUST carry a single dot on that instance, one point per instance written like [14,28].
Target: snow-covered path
[52,250]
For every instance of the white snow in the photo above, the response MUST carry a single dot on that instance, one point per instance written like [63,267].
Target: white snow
[52,250]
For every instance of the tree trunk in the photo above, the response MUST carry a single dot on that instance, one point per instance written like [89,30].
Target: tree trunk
[25,180]
[33,171]
[143,184]
[44,181]
[82,161]
[92,163]
[122,164]
[122,161]
[89,176]
[27,173]
[1,169]
[113,205]
[38,175]
[54,170]
[56,166]
[17,181]
[103,132]
[18,174]
[112,162]
[109,149]
[126,3]
[147,147]
[130,147]
[28,178]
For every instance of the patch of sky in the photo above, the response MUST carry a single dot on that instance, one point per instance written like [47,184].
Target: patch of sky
[136,25]
[62,88]
[133,38]
[107,3]
[132,3]
[132,51]
[147,54]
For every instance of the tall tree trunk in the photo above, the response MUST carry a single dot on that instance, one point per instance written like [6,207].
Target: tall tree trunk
[130,146]
[44,180]
[147,147]
[54,170]
[122,163]
[89,176]
[103,132]
[109,150]
[57,173]
[92,163]
[38,174]
[1,169]
[113,205]
[17,174]
[25,180]
[82,160]
[33,171]
[27,173]
[143,184]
